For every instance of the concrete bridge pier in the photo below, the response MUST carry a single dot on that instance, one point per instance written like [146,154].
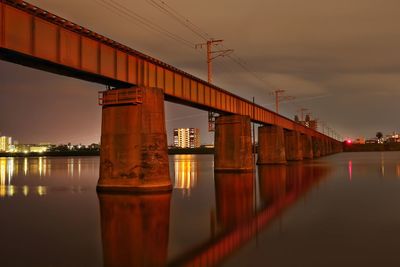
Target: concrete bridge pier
[328,147]
[339,147]
[293,146]
[271,145]
[316,147]
[308,152]
[133,155]
[323,147]
[233,146]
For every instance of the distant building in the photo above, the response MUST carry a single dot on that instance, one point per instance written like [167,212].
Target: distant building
[186,137]
[32,148]
[393,138]
[360,140]
[308,122]
[38,148]
[5,143]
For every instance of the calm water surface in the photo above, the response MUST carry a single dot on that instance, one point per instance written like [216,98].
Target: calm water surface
[341,210]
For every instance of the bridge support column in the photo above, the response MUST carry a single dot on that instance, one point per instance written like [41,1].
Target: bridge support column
[331,146]
[293,146]
[323,147]
[271,145]
[328,147]
[340,147]
[134,155]
[316,147]
[233,148]
[307,147]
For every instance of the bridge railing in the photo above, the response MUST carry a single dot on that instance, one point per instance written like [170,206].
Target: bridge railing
[132,96]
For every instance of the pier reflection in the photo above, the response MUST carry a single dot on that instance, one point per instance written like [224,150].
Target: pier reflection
[135,229]
[280,186]
[272,181]
[234,197]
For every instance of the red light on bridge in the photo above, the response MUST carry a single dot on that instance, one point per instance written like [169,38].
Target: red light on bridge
[348,142]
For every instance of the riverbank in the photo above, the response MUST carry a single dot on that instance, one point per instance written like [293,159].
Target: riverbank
[371,147]
[186,151]
[171,151]
[52,154]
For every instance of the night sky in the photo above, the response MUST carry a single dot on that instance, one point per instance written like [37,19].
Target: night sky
[338,58]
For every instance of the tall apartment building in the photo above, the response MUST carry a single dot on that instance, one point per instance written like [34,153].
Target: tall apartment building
[187,137]
[5,143]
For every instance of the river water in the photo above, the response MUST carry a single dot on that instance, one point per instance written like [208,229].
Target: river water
[341,210]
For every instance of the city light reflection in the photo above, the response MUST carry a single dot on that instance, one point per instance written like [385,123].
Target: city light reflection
[70,168]
[40,166]
[350,170]
[11,168]
[185,173]
[79,167]
[3,168]
[41,190]
[25,190]
[25,166]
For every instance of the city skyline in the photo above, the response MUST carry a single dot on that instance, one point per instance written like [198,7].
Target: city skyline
[325,67]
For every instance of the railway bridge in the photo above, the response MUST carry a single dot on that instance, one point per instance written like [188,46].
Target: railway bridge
[133,139]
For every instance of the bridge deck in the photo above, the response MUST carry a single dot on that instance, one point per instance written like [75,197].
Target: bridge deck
[34,37]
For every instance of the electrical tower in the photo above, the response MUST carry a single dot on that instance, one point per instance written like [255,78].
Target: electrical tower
[211,55]
[279,97]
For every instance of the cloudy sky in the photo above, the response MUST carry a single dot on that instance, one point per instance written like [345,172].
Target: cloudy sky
[339,59]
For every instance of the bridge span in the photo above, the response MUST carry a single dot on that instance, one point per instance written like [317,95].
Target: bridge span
[134,146]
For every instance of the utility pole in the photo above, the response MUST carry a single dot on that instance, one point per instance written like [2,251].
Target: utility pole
[211,55]
[302,110]
[323,126]
[279,98]
[277,94]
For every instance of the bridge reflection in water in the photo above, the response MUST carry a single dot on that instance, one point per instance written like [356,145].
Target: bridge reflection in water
[135,227]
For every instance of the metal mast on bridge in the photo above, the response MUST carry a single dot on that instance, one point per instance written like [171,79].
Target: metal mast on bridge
[279,97]
[211,55]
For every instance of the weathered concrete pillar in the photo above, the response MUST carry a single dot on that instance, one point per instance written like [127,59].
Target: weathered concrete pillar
[316,147]
[135,229]
[134,155]
[336,147]
[293,146]
[328,147]
[323,147]
[233,148]
[271,145]
[340,147]
[307,147]
[234,195]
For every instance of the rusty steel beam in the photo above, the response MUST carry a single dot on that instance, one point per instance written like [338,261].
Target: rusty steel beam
[37,38]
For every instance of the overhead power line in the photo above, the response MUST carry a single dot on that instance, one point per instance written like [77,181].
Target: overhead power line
[119,9]
[122,10]
[167,9]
